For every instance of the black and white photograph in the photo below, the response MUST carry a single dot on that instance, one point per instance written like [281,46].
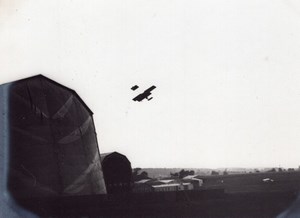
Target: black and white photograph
[149,108]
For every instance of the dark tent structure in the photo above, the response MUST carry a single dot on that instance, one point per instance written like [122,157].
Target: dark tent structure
[117,172]
[50,141]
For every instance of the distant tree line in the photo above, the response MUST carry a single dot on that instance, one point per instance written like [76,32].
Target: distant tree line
[183,173]
[273,170]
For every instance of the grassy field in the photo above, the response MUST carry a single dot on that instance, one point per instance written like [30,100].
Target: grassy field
[201,203]
[241,195]
[253,182]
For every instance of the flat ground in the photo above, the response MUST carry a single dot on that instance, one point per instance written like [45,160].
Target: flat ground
[253,182]
[242,195]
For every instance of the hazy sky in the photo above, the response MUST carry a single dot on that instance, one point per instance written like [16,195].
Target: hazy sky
[227,74]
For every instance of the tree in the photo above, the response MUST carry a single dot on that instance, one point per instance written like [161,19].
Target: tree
[174,175]
[144,175]
[136,176]
[273,170]
[183,173]
[214,173]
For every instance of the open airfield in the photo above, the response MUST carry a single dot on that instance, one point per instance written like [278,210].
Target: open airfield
[66,176]
[255,182]
[265,194]
[244,180]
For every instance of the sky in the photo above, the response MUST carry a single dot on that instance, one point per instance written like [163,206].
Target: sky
[227,74]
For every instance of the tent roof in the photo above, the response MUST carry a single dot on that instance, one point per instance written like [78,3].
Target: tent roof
[108,154]
[142,181]
[42,77]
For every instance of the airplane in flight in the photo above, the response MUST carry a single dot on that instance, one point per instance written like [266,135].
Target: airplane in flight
[144,95]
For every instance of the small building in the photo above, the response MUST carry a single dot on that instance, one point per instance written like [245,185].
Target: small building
[142,186]
[194,180]
[117,172]
[161,185]
[143,181]
[167,187]
[167,181]
[187,186]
